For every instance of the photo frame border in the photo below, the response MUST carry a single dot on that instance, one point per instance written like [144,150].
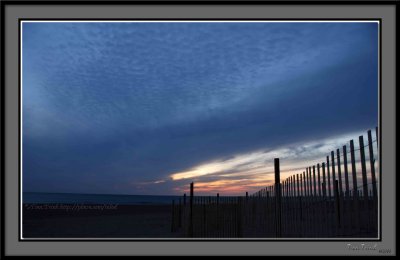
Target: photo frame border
[5,3]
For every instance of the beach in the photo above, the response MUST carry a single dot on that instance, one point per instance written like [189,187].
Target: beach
[96,221]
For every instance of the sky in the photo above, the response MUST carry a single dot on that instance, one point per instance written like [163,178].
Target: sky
[148,107]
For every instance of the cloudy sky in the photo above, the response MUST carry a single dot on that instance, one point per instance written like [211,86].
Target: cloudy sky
[146,108]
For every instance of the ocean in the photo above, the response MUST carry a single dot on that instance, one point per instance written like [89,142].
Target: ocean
[76,198]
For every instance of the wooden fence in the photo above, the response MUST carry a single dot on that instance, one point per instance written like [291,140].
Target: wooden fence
[336,198]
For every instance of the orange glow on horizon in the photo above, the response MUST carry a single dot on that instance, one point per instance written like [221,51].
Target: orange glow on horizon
[251,172]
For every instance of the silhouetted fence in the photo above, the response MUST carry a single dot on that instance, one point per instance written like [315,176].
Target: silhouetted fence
[209,217]
[336,198]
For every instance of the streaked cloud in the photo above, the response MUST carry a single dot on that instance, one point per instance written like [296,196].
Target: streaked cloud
[145,107]
[253,171]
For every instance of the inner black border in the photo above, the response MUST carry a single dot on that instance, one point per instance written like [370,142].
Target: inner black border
[20,20]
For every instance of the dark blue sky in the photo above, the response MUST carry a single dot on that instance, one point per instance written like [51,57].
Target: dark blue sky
[128,107]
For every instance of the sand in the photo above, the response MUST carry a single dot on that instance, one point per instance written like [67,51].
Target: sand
[97,221]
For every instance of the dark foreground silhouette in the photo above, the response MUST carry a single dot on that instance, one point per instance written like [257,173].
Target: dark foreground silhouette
[96,221]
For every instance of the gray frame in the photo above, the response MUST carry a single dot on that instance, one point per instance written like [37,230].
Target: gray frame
[11,90]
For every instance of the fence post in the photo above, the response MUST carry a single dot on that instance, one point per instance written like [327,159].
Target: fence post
[307,183]
[355,188]
[191,211]
[353,169]
[333,173]
[308,200]
[291,186]
[323,190]
[204,217]
[294,185]
[218,220]
[301,189]
[288,187]
[315,181]
[346,198]
[337,202]
[283,189]
[346,171]
[184,215]
[339,172]
[278,198]
[319,180]
[329,177]
[291,210]
[268,220]
[310,181]
[365,181]
[304,185]
[323,181]
[364,171]
[333,168]
[299,199]
[325,211]
[372,163]
[283,204]
[313,202]
[305,194]
[319,204]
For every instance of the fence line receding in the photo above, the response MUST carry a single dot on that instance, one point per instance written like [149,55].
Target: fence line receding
[334,198]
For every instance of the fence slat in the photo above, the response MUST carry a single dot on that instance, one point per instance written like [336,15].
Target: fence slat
[372,165]
[337,205]
[319,180]
[363,169]
[353,169]
[278,198]
[329,177]
[315,181]
[356,218]
[301,204]
[310,181]
[339,172]
[306,186]
[346,171]
[333,168]
[323,180]
[191,211]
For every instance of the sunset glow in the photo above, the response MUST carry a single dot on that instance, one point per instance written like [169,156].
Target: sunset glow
[253,171]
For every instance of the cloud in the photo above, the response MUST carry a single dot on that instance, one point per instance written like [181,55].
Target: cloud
[255,170]
[106,105]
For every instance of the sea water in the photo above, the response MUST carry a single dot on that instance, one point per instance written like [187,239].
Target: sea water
[72,198]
